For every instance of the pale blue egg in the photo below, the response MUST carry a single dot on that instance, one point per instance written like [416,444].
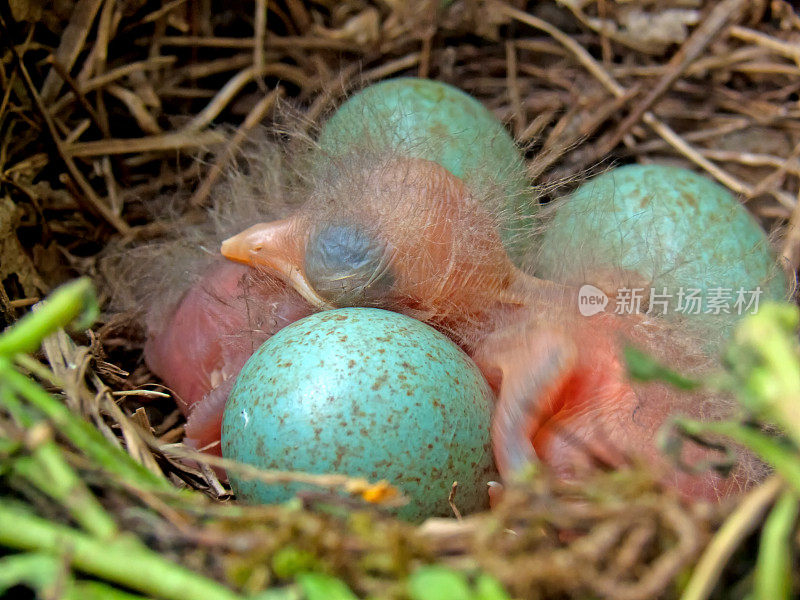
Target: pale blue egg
[367,393]
[693,247]
[421,118]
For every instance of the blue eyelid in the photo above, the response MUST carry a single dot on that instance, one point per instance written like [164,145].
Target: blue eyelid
[347,266]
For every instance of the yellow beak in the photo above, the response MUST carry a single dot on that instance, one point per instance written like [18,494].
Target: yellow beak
[277,247]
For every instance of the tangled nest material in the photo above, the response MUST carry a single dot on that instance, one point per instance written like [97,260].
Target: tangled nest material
[107,105]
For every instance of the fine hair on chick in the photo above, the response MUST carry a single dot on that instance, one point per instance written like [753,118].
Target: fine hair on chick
[376,223]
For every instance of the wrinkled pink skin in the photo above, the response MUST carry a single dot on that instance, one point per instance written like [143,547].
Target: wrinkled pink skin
[558,376]
[206,339]
[564,398]
[563,395]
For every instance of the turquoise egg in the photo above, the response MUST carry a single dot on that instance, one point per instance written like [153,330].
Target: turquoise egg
[367,393]
[676,230]
[420,118]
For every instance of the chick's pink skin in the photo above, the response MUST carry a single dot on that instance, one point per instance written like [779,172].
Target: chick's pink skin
[564,398]
[204,341]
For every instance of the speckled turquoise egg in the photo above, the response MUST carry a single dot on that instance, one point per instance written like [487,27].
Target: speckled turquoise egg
[428,119]
[677,231]
[368,393]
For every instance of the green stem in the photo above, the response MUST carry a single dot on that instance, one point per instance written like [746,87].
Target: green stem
[47,469]
[37,571]
[123,561]
[747,515]
[80,433]
[67,303]
[94,590]
[43,572]
[773,575]
[764,360]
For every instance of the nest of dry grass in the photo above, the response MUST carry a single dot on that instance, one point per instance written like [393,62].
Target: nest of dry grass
[106,105]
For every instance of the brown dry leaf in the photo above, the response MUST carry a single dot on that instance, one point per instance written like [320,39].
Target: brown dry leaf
[13,260]
[650,32]
[647,29]
[363,28]
[50,263]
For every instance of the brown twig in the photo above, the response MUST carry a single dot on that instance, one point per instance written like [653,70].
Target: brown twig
[88,193]
[661,128]
[254,117]
[719,17]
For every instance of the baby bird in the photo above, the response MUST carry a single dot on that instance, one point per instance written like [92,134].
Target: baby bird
[204,315]
[404,234]
[381,220]
[202,344]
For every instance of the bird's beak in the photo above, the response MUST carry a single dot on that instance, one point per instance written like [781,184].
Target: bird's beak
[278,247]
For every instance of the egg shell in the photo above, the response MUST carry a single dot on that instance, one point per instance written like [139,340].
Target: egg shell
[421,118]
[367,393]
[674,228]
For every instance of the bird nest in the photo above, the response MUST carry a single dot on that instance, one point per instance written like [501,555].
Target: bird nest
[108,106]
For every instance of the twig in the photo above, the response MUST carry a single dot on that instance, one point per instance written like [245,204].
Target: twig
[83,15]
[109,77]
[82,100]
[254,117]
[719,16]
[277,42]
[513,89]
[353,485]
[787,49]
[259,36]
[154,143]
[667,133]
[451,500]
[206,116]
[94,200]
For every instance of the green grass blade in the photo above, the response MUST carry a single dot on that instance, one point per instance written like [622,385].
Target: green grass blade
[438,583]
[81,434]
[773,574]
[71,301]
[34,570]
[318,586]
[124,561]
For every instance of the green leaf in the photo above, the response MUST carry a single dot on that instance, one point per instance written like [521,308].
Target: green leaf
[438,583]
[488,588]
[317,586]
